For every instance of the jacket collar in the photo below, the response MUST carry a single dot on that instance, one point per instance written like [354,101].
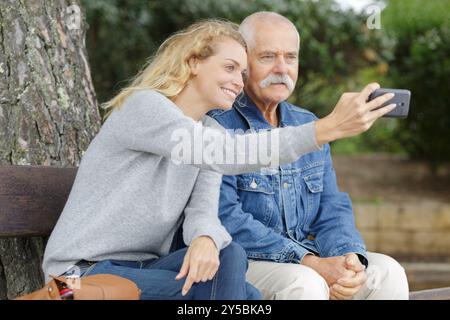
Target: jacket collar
[254,118]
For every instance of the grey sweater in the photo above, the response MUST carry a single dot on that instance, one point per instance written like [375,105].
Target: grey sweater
[129,197]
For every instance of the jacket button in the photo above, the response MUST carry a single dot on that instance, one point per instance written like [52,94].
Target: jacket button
[285,185]
[253,185]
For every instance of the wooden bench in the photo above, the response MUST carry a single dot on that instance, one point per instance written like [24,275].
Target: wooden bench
[32,198]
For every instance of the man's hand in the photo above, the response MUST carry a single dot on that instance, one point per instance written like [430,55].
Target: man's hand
[352,262]
[331,269]
[352,115]
[200,263]
[346,288]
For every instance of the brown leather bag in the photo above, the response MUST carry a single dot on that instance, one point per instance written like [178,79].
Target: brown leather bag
[96,287]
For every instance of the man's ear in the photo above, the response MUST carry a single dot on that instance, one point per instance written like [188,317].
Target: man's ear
[193,65]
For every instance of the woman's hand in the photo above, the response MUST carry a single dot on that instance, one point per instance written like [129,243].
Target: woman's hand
[352,115]
[200,263]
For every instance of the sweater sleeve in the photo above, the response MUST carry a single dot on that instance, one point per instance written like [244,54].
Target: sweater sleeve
[150,122]
[201,218]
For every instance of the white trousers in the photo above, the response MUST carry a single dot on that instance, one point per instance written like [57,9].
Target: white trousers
[386,280]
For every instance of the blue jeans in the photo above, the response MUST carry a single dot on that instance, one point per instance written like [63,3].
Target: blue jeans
[156,277]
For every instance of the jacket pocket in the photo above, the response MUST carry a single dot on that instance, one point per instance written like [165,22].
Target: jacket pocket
[314,182]
[256,196]
[254,183]
[311,196]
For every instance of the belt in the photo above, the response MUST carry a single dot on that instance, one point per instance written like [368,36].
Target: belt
[84,264]
[79,268]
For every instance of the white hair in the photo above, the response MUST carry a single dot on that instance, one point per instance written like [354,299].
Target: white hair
[247,26]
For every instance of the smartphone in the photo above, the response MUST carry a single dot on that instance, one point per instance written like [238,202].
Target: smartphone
[401,99]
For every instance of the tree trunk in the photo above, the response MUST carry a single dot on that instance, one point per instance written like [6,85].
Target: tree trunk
[48,109]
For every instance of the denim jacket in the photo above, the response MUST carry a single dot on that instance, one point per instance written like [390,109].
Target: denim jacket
[291,210]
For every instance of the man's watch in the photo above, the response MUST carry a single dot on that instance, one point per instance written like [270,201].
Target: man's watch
[363,260]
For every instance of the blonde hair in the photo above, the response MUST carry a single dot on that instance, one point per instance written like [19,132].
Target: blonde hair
[168,72]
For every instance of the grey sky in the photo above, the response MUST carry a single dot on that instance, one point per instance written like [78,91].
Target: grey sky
[356,5]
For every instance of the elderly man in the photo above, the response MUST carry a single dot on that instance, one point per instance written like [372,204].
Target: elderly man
[296,226]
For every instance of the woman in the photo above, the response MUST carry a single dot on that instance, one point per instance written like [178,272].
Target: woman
[129,197]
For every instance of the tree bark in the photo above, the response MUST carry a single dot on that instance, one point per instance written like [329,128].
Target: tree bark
[48,109]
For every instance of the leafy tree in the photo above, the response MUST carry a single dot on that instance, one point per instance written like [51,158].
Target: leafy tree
[421,63]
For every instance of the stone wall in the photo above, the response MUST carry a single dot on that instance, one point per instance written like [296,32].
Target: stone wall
[413,231]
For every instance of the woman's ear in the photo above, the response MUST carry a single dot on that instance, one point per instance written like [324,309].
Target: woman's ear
[193,65]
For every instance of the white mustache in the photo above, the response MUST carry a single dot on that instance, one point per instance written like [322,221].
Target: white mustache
[274,79]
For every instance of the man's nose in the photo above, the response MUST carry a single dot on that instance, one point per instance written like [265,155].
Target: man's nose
[280,65]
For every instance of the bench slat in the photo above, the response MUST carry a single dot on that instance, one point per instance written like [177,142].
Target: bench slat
[32,198]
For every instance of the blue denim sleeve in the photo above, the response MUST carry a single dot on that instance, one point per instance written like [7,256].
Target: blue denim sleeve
[334,228]
[259,241]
